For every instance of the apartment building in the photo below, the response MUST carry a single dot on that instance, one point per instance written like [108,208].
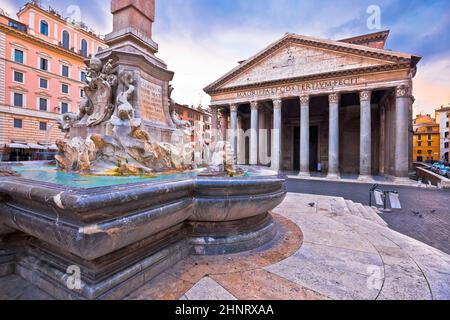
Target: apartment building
[42,69]
[443,119]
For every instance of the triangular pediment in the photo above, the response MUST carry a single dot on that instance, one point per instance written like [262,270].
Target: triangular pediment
[294,60]
[296,56]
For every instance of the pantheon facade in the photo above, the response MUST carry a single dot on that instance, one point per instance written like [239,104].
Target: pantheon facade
[309,104]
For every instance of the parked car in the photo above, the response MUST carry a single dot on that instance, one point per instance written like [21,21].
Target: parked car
[436,166]
[443,170]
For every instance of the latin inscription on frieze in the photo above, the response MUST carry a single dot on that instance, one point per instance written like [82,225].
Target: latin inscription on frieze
[151,102]
[301,88]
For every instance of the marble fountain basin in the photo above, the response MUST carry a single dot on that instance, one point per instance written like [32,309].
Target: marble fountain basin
[120,236]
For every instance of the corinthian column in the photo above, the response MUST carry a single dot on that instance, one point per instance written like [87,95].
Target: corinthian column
[213,124]
[254,133]
[365,149]
[276,136]
[223,124]
[233,131]
[304,136]
[333,140]
[402,105]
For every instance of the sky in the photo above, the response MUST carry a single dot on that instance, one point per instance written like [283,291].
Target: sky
[201,40]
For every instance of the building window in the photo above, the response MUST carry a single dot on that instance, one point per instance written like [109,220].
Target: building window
[420,137]
[84,48]
[429,136]
[43,126]
[65,71]
[65,39]
[419,144]
[43,64]
[83,76]
[429,151]
[446,145]
[43,104]
[446,135]
[17,26]
[64,107]
[429,143]
[43,83]
[419,151]
[190,115]
[18,123]
[18,99]
[18,56]
[448,124]
[44,28]
[65,88]
[18,76]
[81,93]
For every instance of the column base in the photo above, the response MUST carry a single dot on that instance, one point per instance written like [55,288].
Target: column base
[366,178]
[333,176]
[304,174]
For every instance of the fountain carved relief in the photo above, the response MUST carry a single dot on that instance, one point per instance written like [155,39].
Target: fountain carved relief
[116,144]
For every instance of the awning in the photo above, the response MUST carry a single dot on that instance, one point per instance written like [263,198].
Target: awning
[17,146]
[36,146]
[53,147]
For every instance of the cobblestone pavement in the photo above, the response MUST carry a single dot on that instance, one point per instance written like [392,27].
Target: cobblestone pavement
[327,248]
[425,215]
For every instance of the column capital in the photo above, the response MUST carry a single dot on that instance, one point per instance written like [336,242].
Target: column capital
[402,91]
[304,99]
[214,109]
[365,95]
[277,103]
[234,107]
[254,105]
[334,97]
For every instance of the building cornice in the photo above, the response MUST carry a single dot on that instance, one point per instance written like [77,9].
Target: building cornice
[29,112]
[36,40]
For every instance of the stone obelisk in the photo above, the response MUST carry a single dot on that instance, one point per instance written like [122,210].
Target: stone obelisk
[132,49]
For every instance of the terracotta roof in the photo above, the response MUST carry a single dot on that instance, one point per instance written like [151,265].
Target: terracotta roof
[371,37]
[59,18]
[443,109]
[382,54]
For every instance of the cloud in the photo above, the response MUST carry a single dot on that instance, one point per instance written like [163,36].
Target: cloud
[203,39]
[10,7]
[432,84]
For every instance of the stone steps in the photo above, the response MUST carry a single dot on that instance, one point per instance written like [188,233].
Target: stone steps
[341,206]
[374,214]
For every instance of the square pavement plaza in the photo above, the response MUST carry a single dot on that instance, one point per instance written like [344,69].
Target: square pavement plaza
[326,248]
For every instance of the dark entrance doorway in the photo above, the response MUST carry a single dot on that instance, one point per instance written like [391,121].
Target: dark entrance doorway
[313,148]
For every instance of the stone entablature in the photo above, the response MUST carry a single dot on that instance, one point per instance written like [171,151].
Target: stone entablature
[322,86]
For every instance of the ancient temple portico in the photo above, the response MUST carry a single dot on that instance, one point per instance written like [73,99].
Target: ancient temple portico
[309,104]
